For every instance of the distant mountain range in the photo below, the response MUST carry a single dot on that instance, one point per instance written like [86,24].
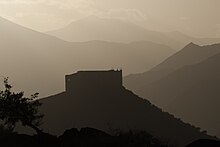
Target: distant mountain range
[98,99]
[186,84]
[116,30]
[36,62]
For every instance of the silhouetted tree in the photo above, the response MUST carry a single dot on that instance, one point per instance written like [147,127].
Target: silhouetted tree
[5,132]
[15,108]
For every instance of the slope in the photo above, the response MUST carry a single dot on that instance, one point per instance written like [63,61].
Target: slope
[190,54]
[191,93]
[103,107]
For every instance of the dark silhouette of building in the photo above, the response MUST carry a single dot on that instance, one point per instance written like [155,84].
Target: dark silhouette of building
[91,81]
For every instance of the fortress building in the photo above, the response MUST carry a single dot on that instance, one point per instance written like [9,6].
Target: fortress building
[94,80]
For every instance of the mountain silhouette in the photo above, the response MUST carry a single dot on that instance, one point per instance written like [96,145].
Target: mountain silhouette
[189,55]
[196,97]
[33,58]
[190,92]
[116,30]
[98,99]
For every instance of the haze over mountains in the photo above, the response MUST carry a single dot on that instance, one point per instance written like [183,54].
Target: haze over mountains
[116,30]
[186,84]
[172,73]
[37,62]
[190,54]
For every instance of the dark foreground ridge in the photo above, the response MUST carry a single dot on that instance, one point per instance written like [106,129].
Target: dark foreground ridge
[204,143]
[90,137]
[97,99]
[86,137]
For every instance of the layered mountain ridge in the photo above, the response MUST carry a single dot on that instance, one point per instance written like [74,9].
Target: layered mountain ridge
[186,84]
[37,62]
[117,30]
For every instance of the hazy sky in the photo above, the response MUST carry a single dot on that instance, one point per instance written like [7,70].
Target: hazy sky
[194,17]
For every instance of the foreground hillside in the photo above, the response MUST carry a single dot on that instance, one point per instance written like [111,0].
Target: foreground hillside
[90,137]
[85,137]
[106,104]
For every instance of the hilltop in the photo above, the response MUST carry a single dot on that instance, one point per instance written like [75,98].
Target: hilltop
[98,99]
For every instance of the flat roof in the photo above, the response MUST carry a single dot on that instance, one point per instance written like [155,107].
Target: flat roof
[94,71]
